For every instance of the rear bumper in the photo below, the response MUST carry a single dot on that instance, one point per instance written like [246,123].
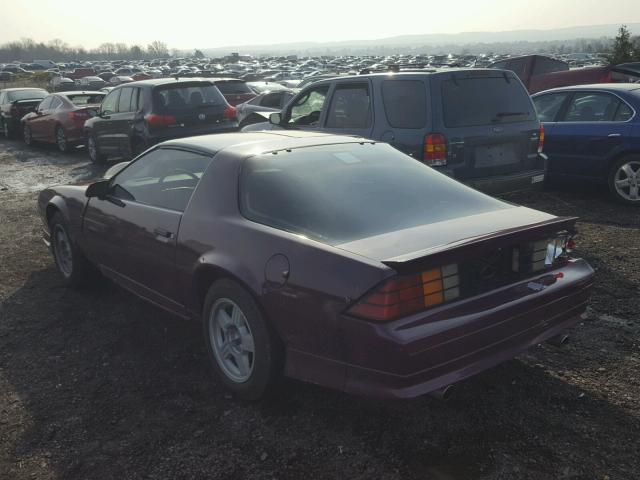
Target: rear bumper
[413,356]
[531,179]
[170,134]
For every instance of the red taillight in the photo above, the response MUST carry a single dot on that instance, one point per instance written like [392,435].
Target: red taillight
[435,150]
[606,77]
[79,115]
[541,139]
[231,113]
[405,295]
[160,121]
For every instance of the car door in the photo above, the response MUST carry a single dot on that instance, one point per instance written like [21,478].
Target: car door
[122,120]
[307,110]
[350,111]
[50,120]
[131,233]
[37,123]
[103,126]
[590,130]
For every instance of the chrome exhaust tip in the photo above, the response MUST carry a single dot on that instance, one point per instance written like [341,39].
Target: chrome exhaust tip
[443,393]
[559,340]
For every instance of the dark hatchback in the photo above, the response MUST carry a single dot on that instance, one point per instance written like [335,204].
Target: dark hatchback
[332,259]
[478,126]
[15,103]
[137,115]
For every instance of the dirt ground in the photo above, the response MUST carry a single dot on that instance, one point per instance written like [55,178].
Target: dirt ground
[99,385]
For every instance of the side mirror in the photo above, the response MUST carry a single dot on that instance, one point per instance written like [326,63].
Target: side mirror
[275,118]
[98,189]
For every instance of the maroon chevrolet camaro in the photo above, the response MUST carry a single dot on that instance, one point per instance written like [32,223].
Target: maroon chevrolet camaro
[330,259]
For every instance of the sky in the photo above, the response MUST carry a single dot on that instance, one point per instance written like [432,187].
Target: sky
[188,24]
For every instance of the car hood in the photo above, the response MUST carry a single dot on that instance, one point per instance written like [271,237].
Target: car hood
[406,245]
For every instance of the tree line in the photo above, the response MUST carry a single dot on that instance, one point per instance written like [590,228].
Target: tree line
[27,50]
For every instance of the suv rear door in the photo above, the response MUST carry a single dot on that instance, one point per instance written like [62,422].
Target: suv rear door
[490,125]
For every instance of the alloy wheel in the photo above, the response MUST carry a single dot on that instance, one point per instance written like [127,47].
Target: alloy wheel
[627,181]
[62,251]
[232,341]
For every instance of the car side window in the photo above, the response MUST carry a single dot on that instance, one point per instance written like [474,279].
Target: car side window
[135,100]
[110,103]
[624,113]
[164,178]
[308,107]
[55,103]
[124,103]
[271,100]
[350,107]
[549,105]
[46,103]
[405,103]
[592,107]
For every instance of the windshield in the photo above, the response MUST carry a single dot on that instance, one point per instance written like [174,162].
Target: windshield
[341,193]
[485,101]
[27,95]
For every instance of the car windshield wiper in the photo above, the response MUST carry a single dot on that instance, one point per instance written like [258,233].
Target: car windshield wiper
[500,115]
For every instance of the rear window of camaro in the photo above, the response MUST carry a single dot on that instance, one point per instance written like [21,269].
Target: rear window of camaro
[489,100]
[341,193]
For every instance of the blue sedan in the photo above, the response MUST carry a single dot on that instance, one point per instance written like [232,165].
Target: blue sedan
[592,132]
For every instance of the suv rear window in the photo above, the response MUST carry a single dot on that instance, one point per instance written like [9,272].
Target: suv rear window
[405,103]
[492,100]
[181,96]
[341,193]
[233,88]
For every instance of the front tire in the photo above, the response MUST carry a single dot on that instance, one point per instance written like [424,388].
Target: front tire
[243,350]
[94,152]
[624,180]
[75,269]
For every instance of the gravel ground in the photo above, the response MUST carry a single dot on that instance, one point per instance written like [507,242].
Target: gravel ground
[98,384]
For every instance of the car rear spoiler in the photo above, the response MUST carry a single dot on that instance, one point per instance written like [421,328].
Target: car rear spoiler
[474,246]
[27,100]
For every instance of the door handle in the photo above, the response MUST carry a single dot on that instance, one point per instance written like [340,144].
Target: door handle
[612,135]
[161,232]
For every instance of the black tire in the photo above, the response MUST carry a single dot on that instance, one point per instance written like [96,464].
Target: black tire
[27,136]
[61,140]
[94,152]
[80,272]
[629,195]
[266,362]
[6,130]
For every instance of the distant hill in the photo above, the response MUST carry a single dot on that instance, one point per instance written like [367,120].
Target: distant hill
[430,40]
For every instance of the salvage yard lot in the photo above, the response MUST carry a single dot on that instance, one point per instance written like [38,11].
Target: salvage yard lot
[98,384]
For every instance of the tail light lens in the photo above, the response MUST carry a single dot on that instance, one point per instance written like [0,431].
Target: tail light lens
[435,150]
[553,252]
[79,115]
[606,77]
[231,113]
[160,121]
[541,139]
[408,294]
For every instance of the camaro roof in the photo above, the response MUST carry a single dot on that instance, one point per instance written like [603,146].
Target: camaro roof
[254,143]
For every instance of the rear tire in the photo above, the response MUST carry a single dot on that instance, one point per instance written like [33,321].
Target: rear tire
[94,152]
[244,352]
[624,180]
[27,136]
[6,131]
[74,267]
[61,140]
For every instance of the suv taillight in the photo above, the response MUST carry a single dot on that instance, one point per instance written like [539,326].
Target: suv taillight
[541,139]
[435,150]
[408,294]
[230,113]
[160,121]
